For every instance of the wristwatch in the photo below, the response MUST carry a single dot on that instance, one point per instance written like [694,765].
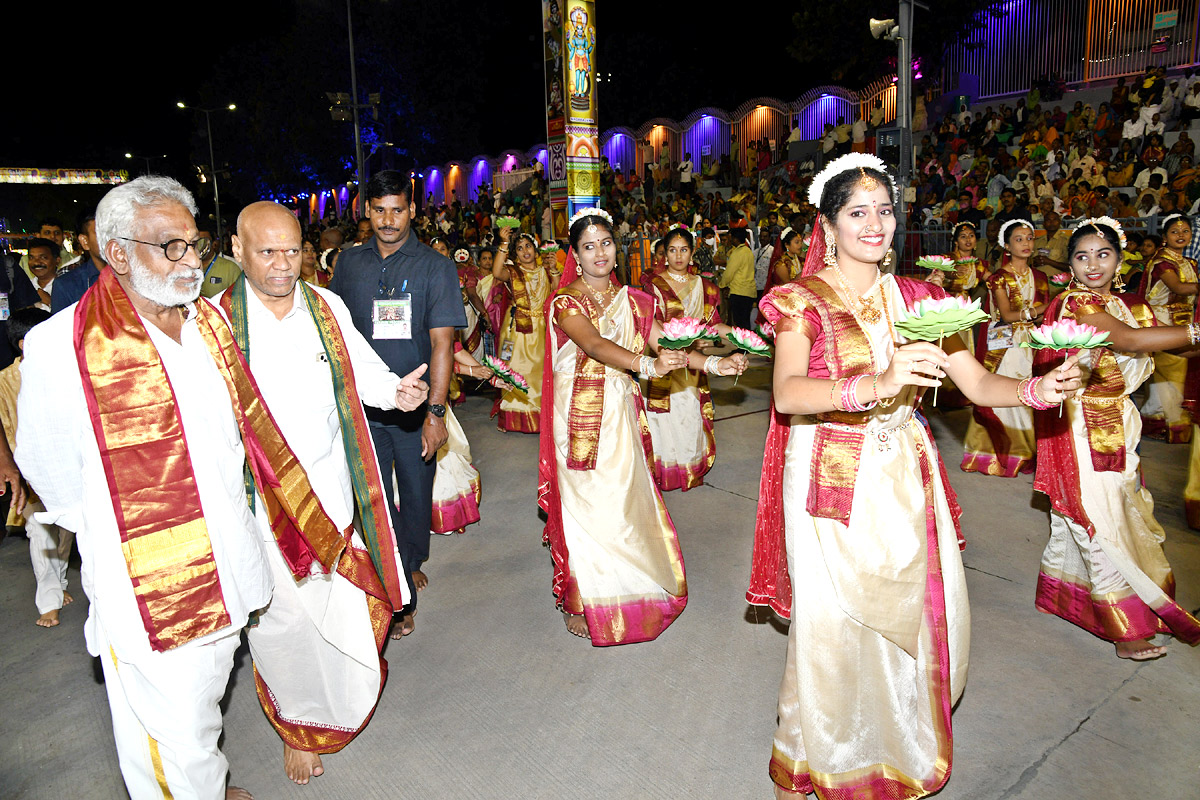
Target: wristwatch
[437,409]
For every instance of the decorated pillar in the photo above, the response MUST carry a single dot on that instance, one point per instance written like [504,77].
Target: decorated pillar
[572,134]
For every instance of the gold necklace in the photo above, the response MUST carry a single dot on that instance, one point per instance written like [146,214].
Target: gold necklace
[601,299]
[865,305]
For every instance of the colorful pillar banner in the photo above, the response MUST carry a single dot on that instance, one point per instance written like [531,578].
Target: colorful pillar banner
[572,134]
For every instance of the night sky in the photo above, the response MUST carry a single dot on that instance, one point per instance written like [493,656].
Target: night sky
[100,84]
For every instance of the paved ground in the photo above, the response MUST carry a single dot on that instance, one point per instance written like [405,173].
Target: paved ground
[491,698]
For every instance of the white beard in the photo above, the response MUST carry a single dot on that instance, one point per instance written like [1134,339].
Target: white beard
[162,289]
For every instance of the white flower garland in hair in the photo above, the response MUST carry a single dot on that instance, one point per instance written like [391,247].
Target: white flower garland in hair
[1004,228]
[1167,220]
[1109,222]
[845,164]
[590,212]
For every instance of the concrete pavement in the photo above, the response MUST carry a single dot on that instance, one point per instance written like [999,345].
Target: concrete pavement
[491,698]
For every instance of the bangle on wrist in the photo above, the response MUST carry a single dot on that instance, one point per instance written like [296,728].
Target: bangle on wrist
[1193,333]
[1028,395]
[833,394]
[711,365]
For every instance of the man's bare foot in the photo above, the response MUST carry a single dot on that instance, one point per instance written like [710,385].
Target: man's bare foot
[67,599]
[1139,650]
[404,625]
[237,793]
[576,625]
[300,765]
[48,620]
[419,579]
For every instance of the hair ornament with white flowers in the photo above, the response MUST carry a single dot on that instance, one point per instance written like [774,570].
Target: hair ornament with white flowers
[1109,222]
[590,212]
[1012,222]
[859,161]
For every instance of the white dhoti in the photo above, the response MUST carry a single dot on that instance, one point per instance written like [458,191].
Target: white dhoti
[166,717]
[317,668]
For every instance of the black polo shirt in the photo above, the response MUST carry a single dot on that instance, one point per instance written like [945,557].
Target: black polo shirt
[362,275]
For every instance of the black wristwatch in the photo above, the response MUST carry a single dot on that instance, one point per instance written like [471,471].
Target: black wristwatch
[437,409]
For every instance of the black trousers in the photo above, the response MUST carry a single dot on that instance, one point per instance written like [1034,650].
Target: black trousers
[740,307]
[398,448]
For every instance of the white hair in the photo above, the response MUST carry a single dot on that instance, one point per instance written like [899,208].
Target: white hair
[117,210]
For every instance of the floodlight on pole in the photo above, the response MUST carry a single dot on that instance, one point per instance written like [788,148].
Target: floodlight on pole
[212,159]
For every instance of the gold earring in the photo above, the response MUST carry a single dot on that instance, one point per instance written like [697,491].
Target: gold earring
[831,255]
[887,261]
[1118,282]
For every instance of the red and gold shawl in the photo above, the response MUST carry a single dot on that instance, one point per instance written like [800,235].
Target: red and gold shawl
[839,348]
[1057,473]
[145,454]
[583,420]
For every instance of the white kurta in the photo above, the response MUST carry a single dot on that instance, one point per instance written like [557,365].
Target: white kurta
[58,454]
[165,705]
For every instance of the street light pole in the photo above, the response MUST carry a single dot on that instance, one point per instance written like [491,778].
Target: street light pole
[358,148]
[212,159]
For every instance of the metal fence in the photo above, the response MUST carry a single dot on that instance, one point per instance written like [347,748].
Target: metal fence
[1024,41]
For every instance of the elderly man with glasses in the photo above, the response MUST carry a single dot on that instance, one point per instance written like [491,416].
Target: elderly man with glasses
[143,432]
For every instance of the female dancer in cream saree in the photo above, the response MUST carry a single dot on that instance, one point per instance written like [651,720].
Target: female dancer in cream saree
[680,404]
[856,534]
[1104,568]
[522,333]
[616,554]
[1169,285]
[1000,441]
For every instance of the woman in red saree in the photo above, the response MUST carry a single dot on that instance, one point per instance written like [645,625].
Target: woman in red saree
[856,536]
[1104,568]
[618,569]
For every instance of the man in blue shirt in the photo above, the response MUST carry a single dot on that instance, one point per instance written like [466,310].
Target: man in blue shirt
[70,286]
[404,297]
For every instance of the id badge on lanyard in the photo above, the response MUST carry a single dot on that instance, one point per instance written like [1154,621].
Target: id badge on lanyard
[391,317]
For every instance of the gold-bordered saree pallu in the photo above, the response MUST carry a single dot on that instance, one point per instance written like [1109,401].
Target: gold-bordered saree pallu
[375,571]
[145,454]
[616,554]
[869,571]
[680,404]
[1103,568]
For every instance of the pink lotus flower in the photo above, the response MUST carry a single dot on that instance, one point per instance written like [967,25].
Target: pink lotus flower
[1061,279]
[749,341]
[1066,334]
[943,263]
[684,328]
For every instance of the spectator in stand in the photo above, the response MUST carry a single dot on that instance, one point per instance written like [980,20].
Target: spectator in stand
[686,167]
[1151,93]
[1134,128]
[1146,180]
[1008,206]
[1050,247]
[1120,97]
[42,257]
[1184,146]
[858,136]
[1191,106]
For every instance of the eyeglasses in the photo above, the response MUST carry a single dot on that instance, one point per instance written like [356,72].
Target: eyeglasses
[176,249]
